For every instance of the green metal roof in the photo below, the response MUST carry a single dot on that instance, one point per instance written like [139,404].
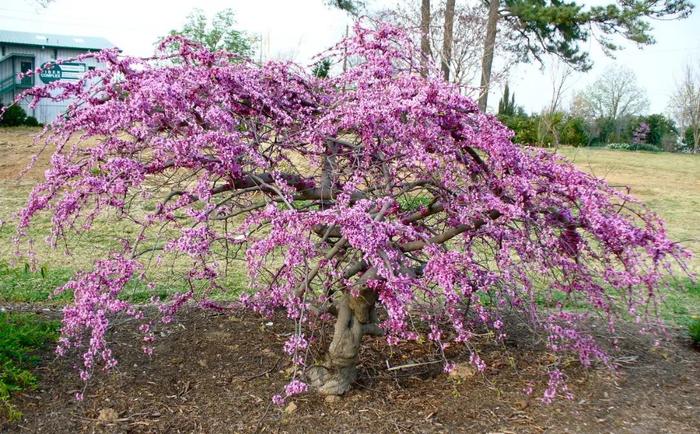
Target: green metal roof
[56,41]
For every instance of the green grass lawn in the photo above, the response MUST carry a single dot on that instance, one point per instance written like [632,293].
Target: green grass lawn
[21,282]
[22,335]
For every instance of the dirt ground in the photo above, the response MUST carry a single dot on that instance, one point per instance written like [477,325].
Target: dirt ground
[216,373]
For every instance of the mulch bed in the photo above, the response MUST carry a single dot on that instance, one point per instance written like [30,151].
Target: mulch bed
[216,373]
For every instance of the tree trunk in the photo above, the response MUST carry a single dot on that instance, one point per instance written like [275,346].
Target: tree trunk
[424,37]
[487,60]
[345,50]
[338,370]
[447,38]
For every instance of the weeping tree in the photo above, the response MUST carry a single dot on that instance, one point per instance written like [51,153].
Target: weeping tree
[378,200]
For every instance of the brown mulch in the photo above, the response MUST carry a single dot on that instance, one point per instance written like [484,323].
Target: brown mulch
[216,373]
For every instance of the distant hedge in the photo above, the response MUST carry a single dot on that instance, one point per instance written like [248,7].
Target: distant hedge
[15,116]
[634,147]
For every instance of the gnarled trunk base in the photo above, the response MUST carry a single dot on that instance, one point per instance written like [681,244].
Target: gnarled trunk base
[337,372]
[332,381]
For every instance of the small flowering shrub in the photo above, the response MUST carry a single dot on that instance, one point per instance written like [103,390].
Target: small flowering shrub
[376,199]
[640,134]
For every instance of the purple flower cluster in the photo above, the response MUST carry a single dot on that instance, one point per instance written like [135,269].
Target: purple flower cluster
[95,300]
[641,133]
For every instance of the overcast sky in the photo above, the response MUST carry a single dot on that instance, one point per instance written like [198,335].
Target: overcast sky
[298,29]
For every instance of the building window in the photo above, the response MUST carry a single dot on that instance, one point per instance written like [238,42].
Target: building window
[91,68]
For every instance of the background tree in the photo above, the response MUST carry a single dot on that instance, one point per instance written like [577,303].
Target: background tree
[685,105]
[489,48]
[688,141]
[506,105]
[12,116]
[322,68]
[614,97]
[448,38]
[353,7]
[378,200]
[219,34]
[549,126]
[552,119]
[425,51]
[543,27]
[662,131]
[463,59]
[575,132]
[524,127]
[640,134]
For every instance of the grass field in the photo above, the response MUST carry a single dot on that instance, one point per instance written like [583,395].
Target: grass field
[670,185]
[667,183]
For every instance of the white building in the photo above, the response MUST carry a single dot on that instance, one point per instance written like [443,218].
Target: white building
[23,51]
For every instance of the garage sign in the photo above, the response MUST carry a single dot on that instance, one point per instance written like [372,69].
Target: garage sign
[51,72]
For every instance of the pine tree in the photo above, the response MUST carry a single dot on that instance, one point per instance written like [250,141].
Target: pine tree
[558,27]
[506,106]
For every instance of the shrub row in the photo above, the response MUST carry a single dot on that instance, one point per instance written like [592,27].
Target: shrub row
[634,147]
[15,116]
